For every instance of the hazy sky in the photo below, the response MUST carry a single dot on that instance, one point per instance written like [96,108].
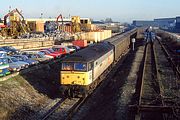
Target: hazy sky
[119,10]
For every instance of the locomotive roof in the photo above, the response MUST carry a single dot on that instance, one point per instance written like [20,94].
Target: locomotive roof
[90,53]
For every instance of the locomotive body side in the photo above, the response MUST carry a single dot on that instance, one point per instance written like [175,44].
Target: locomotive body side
[101,64]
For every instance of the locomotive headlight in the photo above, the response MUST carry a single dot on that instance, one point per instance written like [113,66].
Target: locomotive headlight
[67,76]
[78,77]
[83,78]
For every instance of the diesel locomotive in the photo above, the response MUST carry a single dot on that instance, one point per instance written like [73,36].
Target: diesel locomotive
[80,71]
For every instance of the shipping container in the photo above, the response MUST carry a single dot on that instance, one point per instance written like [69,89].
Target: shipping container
[95,36]
[80,43]
[36,26]
[39,27]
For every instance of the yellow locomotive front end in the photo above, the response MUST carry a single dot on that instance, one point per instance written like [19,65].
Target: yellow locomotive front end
[75,74]
[75,77]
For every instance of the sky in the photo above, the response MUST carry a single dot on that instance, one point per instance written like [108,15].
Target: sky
[118,10]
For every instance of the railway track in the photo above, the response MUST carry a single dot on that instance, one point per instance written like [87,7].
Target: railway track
[170,59]
[64,109]
[54,108]
[151,89]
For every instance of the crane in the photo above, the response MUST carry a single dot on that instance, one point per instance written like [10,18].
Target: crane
[17,26]
[57,21]
[10,13]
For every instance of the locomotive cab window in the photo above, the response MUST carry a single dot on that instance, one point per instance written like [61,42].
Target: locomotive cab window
[67,66]
[80,66]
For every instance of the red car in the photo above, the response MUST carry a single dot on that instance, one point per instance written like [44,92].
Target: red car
[61,49]
[47,53]
[52,51]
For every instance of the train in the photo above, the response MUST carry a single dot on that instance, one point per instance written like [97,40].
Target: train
[80,71]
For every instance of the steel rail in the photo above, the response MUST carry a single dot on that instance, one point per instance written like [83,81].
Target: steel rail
[141,79]
[169,58]
[75,108]
[53,109]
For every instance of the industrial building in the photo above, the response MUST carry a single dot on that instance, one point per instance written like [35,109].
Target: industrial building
[170,24]
[141,23]
[115,27]
[178,23]
[37,24]
[100,24]
[165,23]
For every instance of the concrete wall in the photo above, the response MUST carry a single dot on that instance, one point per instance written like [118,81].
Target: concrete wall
[24,44]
